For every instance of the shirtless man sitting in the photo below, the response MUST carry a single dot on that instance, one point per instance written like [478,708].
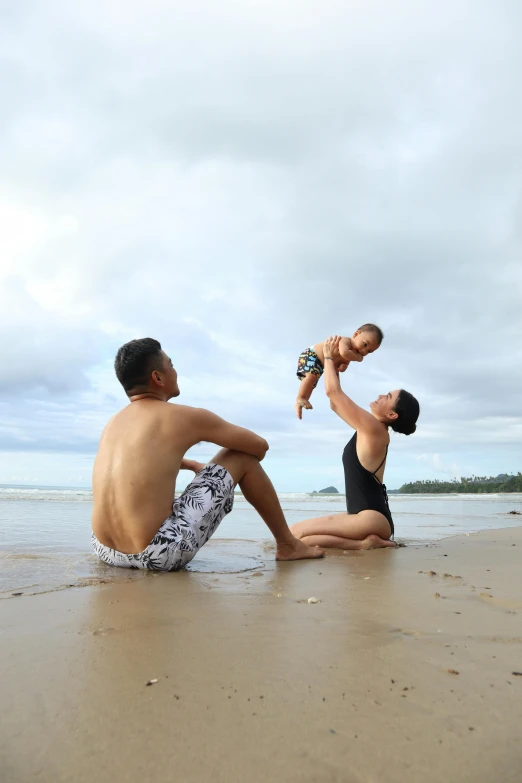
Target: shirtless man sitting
[136,522]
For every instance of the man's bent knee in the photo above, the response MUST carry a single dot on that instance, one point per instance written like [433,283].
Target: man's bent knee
[236,462]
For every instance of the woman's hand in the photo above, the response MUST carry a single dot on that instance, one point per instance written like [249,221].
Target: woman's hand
[331,347]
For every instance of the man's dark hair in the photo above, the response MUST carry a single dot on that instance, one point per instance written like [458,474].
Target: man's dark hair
[375,330]
[135,361]
[408,409]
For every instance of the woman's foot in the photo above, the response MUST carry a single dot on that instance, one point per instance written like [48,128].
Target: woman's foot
[375,542]
[296,550]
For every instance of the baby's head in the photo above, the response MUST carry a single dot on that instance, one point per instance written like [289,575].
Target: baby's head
[365,340]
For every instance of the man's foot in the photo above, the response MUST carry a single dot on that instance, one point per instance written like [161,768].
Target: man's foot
[375,542]
[296,550]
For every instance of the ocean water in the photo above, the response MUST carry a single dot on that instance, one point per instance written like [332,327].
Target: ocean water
[45,532]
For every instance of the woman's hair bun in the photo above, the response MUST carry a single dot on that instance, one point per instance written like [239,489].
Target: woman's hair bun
[403,427]
[407,409]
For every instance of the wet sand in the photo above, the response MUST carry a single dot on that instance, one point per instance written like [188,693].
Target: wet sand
[396,674]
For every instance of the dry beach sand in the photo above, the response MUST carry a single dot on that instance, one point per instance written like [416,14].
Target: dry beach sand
[395,674]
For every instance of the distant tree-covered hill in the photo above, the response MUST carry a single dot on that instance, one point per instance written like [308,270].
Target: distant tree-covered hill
[326,491]
[476,484]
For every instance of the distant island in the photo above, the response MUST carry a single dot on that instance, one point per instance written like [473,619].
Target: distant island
[479,485]
[327,491]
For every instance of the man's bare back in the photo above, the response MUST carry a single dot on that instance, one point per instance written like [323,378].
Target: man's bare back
[142,450]
[140,454]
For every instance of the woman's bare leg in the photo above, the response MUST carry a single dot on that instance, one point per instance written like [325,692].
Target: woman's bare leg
[259,491]
[358,531]
[338,542]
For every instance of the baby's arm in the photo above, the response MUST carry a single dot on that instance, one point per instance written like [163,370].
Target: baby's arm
[306,388]
[346,353]
[351,356]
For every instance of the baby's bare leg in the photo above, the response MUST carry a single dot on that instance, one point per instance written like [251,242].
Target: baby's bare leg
[304,393]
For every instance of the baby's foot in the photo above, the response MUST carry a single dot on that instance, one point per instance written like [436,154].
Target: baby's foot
[301,403]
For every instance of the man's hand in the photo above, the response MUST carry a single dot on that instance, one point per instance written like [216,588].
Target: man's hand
[192,464]
[301,403]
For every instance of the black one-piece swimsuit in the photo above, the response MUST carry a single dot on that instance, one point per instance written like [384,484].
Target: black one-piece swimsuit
[364,491]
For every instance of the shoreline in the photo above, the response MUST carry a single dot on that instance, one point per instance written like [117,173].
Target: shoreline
[42,572]
[222,554]
[311,493]
[253,683]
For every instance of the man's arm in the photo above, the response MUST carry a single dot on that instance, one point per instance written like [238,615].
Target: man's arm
[214,429]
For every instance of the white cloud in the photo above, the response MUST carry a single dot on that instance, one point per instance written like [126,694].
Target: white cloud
[241,181]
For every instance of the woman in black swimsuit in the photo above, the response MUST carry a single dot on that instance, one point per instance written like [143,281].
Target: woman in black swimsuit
[368,523]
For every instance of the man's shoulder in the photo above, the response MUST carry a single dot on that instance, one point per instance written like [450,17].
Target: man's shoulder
[196,422]
[164,410]
[185,411]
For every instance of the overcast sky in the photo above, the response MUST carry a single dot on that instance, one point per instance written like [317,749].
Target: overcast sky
[241,179]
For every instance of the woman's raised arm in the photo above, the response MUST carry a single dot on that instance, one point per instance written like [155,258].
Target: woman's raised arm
[340,403]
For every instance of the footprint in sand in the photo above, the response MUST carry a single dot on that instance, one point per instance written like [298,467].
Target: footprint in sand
[406,633]
[442,576]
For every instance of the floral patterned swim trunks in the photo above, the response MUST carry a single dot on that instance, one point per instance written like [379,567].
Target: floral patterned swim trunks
[195,517]
[309,363]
